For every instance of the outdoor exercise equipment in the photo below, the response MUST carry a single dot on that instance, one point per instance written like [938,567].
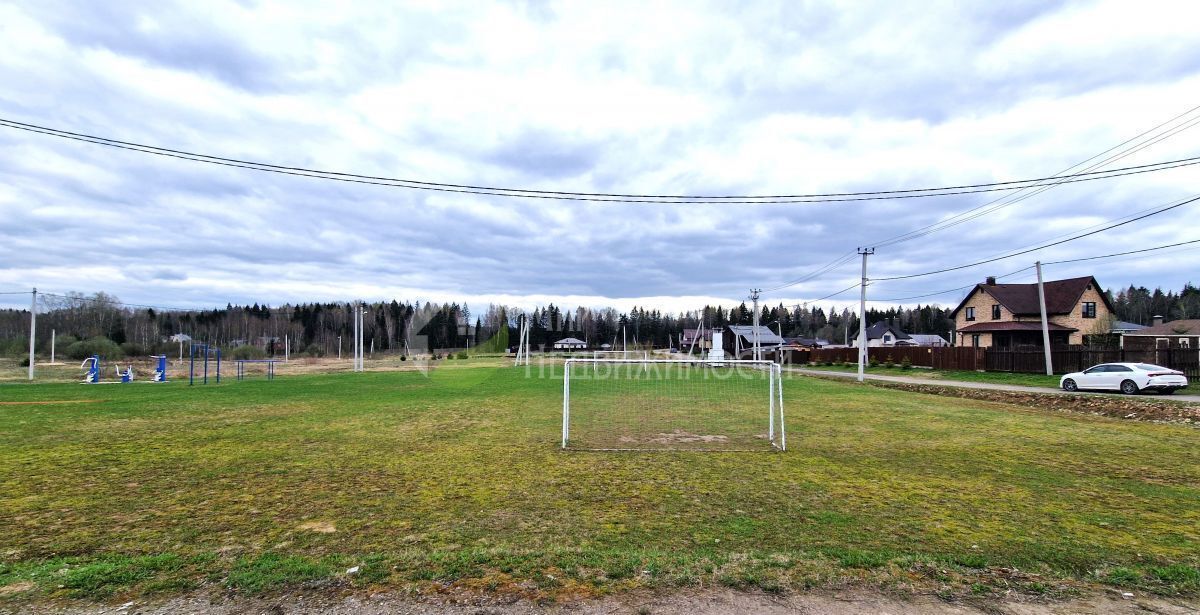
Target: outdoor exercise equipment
[92,365]
[125,376]
[160,372]
[207,351]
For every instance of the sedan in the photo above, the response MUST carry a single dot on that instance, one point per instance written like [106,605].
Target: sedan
[1128,378]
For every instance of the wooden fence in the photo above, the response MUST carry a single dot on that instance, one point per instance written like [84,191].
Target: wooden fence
[1064,359]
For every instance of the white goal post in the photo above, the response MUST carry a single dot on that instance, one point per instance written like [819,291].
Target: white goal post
[672,404]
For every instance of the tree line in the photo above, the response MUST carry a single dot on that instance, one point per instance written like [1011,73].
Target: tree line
[319,329]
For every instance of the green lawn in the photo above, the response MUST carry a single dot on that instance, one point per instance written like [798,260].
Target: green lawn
[933,375]
[457,478]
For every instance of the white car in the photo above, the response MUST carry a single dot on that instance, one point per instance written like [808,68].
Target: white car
[1128,378]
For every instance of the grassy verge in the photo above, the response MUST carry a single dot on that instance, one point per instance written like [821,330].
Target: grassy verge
[1030,380]
[453,479]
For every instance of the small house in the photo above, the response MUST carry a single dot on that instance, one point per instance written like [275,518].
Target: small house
[884,334]
[1176,334]
[570,344]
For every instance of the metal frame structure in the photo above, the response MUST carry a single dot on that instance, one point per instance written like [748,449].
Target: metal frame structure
[522,356]
[241,367]
[774,394]
[208,351]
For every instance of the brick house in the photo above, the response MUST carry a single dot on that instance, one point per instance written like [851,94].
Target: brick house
[1177,334]
[1009,315]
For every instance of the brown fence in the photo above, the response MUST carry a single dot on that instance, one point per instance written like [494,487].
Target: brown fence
[1064,359]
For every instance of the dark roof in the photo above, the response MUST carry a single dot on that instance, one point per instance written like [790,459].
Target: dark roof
[1121,325]
[928,338]
[807,341]
[877,330]
[765,335]
[1011,326]
[1022,299]
[1175,327]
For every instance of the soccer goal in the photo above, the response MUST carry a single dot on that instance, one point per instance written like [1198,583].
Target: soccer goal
[663,404]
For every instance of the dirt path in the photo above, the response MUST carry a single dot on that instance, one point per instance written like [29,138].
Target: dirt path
[54,402]
[707,602]
[960,384]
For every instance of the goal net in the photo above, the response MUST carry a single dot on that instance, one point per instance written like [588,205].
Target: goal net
[635,404]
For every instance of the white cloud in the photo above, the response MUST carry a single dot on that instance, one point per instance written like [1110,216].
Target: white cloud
[760,99]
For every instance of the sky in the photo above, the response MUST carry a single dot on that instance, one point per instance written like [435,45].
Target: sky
[687,98]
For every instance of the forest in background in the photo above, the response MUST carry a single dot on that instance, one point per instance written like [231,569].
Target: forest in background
[314,329]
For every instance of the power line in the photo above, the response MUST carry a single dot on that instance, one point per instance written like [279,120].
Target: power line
[1010,255]
[1013,199]
[844,290]
[1059,262]
[815,273]
[122,303]
[1092,258]
[599,196]
[944,224]
[950,290]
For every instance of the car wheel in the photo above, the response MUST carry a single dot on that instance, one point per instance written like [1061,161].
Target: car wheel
[1168,391]
[1129,387]
[1070,386]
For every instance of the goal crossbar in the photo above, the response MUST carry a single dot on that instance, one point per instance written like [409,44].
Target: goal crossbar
[724,396]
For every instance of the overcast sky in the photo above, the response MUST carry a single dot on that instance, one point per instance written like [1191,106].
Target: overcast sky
[690,98]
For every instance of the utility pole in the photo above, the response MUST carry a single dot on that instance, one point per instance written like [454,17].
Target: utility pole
[1045,323]
[354,315]
[862,314]
[362,336]
[754,294]
[339,348]
[32,329]
[53,337]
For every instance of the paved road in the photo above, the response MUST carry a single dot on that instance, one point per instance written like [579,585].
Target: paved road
[976,385]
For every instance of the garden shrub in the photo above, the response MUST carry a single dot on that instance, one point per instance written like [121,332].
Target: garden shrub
[133,350]
[106,348]
[246,352]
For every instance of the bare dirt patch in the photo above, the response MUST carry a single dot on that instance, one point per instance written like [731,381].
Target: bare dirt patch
[16,588]
[698,602]
[682,437]
[1120,407]
[321,527]
[49,403]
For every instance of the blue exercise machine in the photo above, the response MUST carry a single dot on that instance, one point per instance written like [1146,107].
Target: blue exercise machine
[160,372]
[92,365]
[92,375]
[207,352]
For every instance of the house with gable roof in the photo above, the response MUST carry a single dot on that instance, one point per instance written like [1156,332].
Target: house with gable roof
[1008,316]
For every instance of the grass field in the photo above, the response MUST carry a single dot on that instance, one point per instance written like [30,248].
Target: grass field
[456,479]
[933,375]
